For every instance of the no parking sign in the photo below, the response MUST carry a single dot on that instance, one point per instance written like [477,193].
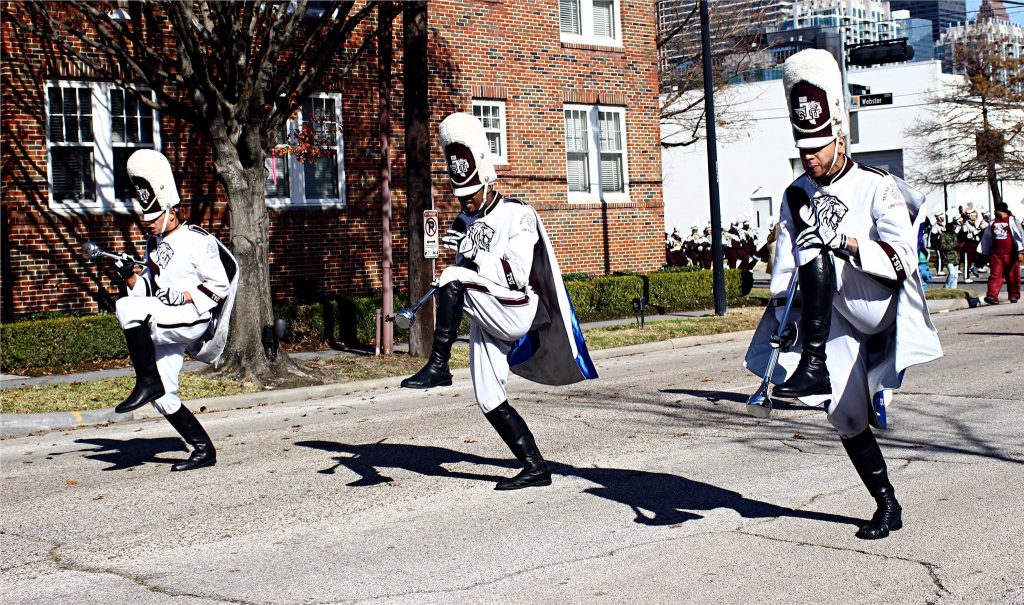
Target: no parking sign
[431,238]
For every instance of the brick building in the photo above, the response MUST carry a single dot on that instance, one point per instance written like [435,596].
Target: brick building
[566,88]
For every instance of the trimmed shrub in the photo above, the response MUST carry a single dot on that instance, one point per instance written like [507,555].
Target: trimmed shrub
[689,290]
[56,342]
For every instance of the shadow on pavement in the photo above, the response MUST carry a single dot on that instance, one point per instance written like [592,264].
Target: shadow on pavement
[124,454]
[719,396]
[655,498]
[364,460]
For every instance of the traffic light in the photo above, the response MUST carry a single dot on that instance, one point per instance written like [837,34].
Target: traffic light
[880,53]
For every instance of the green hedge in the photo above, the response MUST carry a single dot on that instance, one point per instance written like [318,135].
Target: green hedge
[61,341]
[349,321]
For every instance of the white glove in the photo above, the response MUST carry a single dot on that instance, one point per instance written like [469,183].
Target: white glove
[822,217]
[458,242]
[125,266]
[171,297]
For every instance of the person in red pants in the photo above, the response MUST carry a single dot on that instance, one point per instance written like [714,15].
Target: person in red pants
[1003,241]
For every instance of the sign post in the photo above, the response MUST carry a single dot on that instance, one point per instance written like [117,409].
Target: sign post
[431,237]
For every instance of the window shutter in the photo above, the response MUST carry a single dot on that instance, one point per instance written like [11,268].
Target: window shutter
[611,173]
[72,173]
[569,16]
[322,178]
[604,19]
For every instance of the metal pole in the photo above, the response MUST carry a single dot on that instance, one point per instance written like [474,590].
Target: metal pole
[384,16]
[709,118]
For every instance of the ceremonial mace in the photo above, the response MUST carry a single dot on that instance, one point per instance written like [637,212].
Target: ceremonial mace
[91,251]
[760,403]
[404,317]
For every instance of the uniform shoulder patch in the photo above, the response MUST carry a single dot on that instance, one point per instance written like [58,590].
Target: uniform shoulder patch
[198,229]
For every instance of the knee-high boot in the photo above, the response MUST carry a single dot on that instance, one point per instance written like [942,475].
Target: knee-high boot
[450,301]
[517,436]
[187,425]
[817,287]
[867,459]
[148,385]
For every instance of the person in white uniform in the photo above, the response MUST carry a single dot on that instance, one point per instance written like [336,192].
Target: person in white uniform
[502,255]
[181,298]
[849,234]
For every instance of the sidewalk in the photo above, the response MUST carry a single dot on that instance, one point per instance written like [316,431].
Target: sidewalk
[14,425]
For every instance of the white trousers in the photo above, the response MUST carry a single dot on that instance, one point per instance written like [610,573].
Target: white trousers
[498,317]
[861,309]
[172,330]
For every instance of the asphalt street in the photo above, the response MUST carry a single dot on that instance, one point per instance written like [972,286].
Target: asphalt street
[664,492]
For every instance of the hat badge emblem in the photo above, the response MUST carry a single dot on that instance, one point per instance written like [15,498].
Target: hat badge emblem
[808,110]
[459,166]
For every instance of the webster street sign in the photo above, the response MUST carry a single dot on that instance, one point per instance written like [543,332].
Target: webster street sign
[884,98]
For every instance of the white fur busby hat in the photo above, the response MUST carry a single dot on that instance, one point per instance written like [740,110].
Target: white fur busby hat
[814,92]
[151,174]
[467,154]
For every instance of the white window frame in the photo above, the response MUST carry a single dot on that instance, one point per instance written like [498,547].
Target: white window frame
[502,157]
[296,170]
[596,193]
[105,199]
[587,36]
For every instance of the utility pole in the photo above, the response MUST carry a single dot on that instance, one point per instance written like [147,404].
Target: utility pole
[417,167]
[384,50]
[709,122]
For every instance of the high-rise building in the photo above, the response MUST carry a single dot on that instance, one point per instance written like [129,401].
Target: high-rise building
[942,13]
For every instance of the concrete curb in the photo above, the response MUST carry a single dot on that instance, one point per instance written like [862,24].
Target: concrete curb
[18,425]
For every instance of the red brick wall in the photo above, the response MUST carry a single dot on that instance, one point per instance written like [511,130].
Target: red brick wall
[511,46]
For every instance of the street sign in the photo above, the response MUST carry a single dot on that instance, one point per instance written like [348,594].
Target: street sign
[884,98]
[431,237]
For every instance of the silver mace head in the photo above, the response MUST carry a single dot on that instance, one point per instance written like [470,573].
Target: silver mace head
[404,318]
[91,250]
[759,405]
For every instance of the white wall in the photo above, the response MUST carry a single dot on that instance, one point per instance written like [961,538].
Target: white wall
[760,164]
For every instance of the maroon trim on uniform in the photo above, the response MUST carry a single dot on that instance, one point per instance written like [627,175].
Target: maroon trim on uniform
[188,325]
[154,269]
[505,302]
[897,264]
[509,276]
[209,293]
[847,167]
[489,207]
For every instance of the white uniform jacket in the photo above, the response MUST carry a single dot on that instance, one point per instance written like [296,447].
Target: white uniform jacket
[884,214]
[553,351]
[191,260]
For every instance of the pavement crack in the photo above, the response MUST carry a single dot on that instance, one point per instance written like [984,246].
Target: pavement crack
[61,563]
[931,568]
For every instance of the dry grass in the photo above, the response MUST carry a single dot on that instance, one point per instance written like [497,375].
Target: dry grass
[105,393]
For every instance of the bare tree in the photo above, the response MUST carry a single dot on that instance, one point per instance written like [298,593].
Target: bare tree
[234,72]
[973,131]
[738,46]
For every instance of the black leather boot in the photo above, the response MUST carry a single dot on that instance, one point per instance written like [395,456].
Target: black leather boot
[450,300]
[867,459]
[148,385]
[187,425]
[517,436]
[817,287]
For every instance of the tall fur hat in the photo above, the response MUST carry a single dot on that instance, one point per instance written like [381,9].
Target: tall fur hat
[814,92]
[467,154]
[151,174]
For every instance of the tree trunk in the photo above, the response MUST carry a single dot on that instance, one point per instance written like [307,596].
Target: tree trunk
[417,169]
[245,356]
[993,183]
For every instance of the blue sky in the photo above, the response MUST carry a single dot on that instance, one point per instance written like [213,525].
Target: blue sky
[1016,11]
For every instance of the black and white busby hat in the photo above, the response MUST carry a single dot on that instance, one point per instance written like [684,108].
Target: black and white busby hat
[467,154]
[814,92]
[151,174]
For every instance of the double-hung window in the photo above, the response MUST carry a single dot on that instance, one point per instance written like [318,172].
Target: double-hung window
[316,182]
[595,150]
[590,22]
[91,130]
[492,115]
